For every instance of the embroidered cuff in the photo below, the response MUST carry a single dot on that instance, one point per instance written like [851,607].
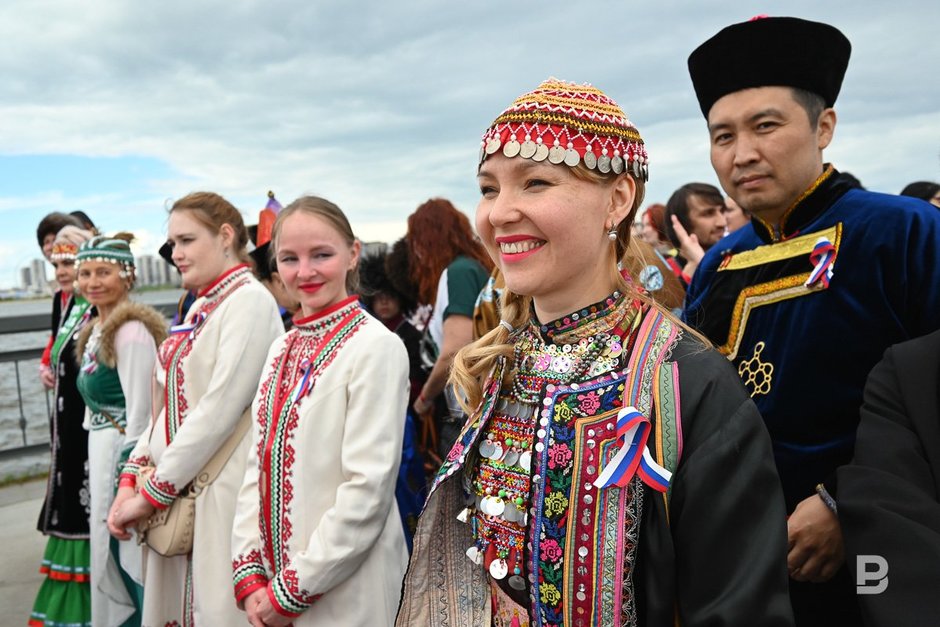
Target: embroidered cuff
[286,595]
[161,494]
[127,480]
[827,499]
[133,465]
[248,575]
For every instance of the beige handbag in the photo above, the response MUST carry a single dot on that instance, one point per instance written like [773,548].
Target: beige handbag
[169,531]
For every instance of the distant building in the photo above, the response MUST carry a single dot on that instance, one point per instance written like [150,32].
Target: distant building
[40,282]
[26,278]
[145,270]
[33,278]
[374,248]
[153,270]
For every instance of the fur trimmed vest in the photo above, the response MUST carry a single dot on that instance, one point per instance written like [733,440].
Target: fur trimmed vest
[126,312]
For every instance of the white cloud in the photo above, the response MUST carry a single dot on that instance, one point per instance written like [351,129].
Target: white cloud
[379,105]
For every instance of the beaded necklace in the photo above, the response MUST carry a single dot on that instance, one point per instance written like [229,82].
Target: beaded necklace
[578,346]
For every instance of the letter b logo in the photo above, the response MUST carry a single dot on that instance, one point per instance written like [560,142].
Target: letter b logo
[864,575]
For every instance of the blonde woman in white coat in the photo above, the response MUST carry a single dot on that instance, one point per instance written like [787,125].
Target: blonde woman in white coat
[318,539]
[206,375]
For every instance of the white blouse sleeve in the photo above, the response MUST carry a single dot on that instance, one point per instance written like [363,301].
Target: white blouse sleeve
[136,354]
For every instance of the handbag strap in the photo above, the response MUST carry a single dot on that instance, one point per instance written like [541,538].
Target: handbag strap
[214,466]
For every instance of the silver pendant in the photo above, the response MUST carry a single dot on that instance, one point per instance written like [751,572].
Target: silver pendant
[486,449]
[616,164]
[497,506]
[603,164]
[511,457]
[590,159]
[474,554]
[517,583]
[571,157]
[492,145]
[498,568]
[497,451]
[511,149]
[528,149]
[525,461]
[556,155]
[541,153]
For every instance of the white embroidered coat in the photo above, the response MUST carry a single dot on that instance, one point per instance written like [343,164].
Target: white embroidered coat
[317,525]
[214,371]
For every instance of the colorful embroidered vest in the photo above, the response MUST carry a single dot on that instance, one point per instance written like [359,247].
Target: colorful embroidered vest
[573,542]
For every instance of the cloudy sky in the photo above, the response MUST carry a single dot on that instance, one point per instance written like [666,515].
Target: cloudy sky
[117,107]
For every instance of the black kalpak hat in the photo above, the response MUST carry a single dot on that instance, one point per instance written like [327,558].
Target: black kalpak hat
[770,51]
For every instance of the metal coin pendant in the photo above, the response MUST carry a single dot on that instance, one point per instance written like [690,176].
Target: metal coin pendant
[511,513]
[517,583]
[541,153]
[511,458]
[603,164]
[497,451]
[511,149]
[525,461]
[571,157]
[636,168]
[474,554]
[616,164]
[590,159]
[498,568]
[482,154]
[496,506]
[492,145]
[556,154]
[528,149]
[487,448]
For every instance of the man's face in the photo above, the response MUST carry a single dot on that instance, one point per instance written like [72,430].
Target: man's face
[707,219]
[764,150]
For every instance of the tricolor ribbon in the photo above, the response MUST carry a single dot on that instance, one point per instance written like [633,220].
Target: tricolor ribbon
[303,386]
[190,327]
[633,429]
[823,256]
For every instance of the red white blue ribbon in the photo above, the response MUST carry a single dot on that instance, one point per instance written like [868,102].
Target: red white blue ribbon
[303,386]
[633,429]
[823,256]
[191,327]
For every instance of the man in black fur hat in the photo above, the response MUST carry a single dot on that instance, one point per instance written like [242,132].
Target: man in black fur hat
[806,298]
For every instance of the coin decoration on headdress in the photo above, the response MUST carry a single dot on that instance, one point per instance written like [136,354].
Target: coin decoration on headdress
[568,123]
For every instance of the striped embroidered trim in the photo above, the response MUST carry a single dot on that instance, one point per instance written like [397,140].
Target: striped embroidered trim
[248,574]
[756,296]
[161,494]
[276,453]
[176,404]
[286,595]
[796,247]
[133,465]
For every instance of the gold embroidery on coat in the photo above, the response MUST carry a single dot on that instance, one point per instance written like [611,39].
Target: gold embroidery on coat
[756,374]
[796,247]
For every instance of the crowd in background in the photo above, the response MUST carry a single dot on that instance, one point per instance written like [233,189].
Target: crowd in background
[317,447]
